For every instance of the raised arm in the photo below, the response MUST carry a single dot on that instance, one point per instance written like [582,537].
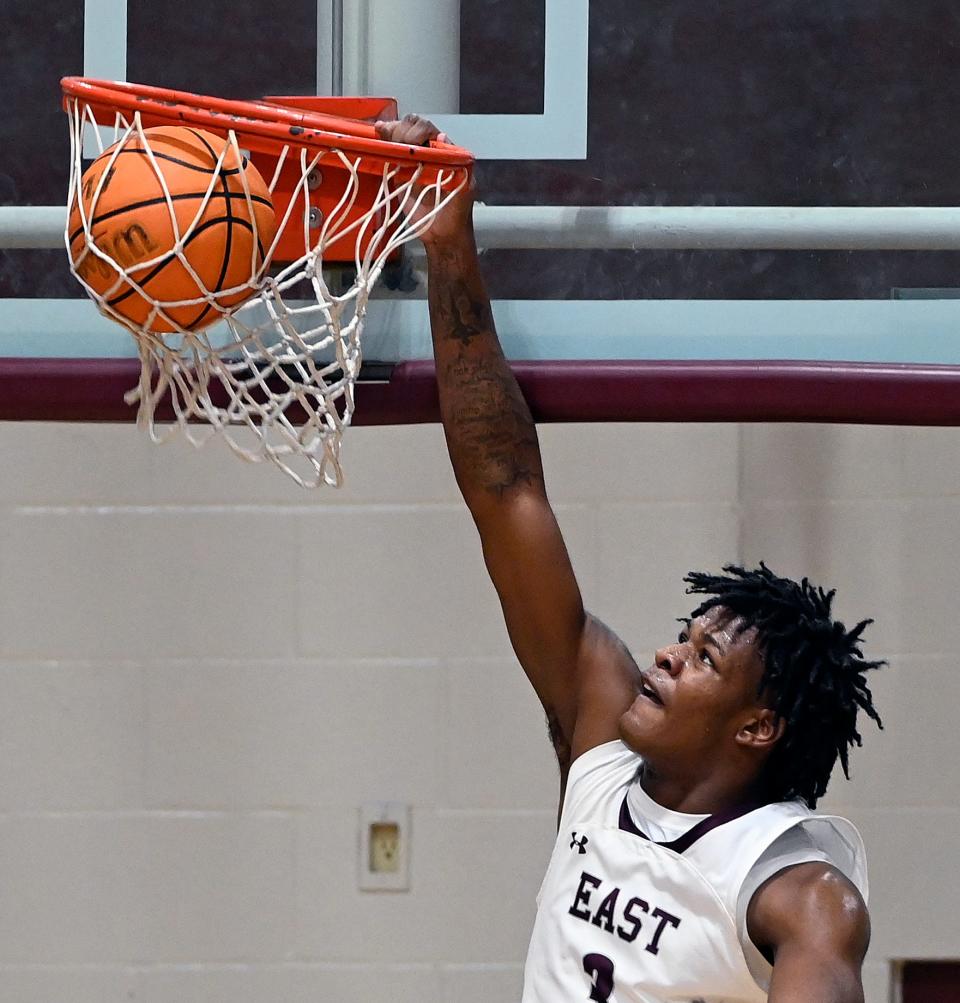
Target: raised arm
[583,674]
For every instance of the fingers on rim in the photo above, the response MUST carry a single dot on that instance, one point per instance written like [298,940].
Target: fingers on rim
[388,130]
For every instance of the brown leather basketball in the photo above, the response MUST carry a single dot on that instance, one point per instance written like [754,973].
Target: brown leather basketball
[167,235]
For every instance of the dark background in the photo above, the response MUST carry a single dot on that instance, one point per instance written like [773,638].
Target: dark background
[692,102]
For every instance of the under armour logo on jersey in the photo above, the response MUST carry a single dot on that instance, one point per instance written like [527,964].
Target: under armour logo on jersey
[580,844]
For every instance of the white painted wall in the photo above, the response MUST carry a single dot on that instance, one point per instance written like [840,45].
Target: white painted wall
[204,671]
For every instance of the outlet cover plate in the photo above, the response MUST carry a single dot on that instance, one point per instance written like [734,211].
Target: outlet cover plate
[382,819]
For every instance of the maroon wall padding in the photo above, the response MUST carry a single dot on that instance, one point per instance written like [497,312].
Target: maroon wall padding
[931,982]
[91,390]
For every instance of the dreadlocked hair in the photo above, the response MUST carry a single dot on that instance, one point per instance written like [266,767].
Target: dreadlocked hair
[814,673]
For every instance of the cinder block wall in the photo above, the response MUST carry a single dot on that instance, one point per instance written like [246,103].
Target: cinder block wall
[876,513]
[205,671]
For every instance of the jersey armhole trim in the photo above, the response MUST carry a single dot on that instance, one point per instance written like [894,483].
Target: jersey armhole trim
[597,756]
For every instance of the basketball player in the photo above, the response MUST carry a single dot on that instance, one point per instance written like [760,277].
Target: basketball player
[689,865]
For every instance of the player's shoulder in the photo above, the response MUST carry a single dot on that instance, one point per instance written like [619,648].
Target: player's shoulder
[597,780]
[612,759]
[812,903]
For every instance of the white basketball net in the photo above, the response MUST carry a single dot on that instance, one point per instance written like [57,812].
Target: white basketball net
[283,368]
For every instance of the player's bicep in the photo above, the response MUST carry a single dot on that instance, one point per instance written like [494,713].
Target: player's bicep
[801,976]
[531,570]
[582,673]
[816,924]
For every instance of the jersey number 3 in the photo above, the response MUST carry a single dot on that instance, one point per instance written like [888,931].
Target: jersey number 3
[600,969]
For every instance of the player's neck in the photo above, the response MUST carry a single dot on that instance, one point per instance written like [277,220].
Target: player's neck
[696,794]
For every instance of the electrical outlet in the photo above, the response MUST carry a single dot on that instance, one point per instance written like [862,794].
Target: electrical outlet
[384,846]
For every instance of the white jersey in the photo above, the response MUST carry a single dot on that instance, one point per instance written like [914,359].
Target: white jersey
[625,919]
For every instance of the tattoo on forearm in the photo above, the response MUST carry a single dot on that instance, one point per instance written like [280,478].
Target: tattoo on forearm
[490,429]
[463,317]
[490,432]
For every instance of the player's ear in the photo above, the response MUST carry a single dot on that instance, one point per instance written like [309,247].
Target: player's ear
[762,730]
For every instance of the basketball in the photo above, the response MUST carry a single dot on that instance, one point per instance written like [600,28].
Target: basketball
[223,239]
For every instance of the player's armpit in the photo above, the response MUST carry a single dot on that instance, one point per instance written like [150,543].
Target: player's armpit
[608,680]
[815,924]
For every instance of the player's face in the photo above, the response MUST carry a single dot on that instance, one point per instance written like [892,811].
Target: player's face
[697,695]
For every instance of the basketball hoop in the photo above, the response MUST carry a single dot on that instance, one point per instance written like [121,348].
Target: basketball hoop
[276,378]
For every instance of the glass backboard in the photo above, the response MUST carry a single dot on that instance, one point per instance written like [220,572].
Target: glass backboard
[598,110]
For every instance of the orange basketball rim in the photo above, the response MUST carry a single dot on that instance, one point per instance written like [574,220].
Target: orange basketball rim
[274,376]
[269,127]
